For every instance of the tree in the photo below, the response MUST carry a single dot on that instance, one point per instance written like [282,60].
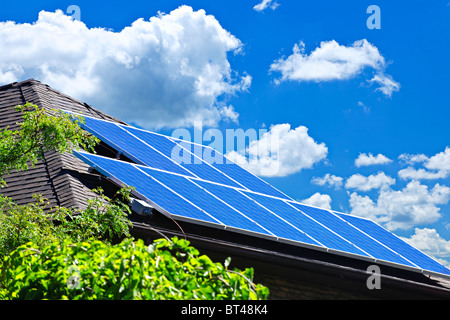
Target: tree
[65,253]
[40,131]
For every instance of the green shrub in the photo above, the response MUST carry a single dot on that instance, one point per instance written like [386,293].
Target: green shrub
[167,269]
[103,219]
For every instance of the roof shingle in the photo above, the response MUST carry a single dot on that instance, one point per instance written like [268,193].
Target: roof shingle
[57,177]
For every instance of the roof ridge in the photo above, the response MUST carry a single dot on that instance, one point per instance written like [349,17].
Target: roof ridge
[48,93]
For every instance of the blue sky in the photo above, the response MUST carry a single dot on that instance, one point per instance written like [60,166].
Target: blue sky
[333,89]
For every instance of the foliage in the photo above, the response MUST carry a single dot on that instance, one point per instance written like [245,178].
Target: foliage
[62,253]
[103,219]
[40,131]
[167,269]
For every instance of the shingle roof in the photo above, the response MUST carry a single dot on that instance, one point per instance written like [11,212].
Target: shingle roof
[57,178]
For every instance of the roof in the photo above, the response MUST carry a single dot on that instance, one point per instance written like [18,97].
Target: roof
[64,180]
[57,178]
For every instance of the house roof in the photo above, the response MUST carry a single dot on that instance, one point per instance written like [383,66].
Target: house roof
[57,178]
[64,180]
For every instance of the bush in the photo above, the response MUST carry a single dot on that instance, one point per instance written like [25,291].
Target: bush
[103,219]
[167,269]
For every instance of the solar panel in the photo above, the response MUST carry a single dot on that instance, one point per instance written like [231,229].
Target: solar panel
[133,148]
[390,240]
[224,195]
[174,155]
[232,170]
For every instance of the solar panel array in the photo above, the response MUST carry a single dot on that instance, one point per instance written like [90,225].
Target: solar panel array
[221,194]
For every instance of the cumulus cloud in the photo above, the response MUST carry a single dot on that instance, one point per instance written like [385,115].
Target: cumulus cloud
[264,4]
[170,70]
[430,242]
[332,61]
[319,200]
[436,167]
[421,174]
[368,160]
[387,85]
[440,161]
[412,158]
[329,180]
[414,205]
[363,183]
[279,152]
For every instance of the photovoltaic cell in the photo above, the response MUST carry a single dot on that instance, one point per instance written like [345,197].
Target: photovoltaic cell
[135,149]
[157,151]
[181,156]
[343,228]
[201,198]
[130,175]
[256,212]
[389,239]
[232,170]
[320,233]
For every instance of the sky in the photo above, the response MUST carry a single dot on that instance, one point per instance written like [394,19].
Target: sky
[342,105]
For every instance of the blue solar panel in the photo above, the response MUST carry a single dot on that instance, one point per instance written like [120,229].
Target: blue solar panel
[365,243]
[209,189]
[174,151]
[256,212]
[201,198]
[128,174]
[135,149]
[167,153]
[401,247]
[232,170]
[320,233]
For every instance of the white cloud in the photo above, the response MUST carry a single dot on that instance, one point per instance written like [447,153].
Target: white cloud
[412,159]
[319,200]
[368,160]
[280,152]
[436,167]
[362,183]
[430,242]
[421,174]
[387,84]
[264,4]
[170,70]
[440,161]
[330,180]
[332,61]
[365,108]
[412,206]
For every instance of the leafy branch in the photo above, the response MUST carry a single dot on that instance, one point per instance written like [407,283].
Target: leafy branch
[39,132]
